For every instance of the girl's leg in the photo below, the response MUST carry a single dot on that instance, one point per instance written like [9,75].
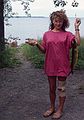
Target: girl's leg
[52,90]
[62,96]
[52,93]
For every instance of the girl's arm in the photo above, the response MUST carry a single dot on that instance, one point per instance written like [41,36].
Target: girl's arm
[77,33]
[41,48]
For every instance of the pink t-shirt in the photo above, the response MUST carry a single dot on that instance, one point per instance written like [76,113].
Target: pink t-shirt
[57,56]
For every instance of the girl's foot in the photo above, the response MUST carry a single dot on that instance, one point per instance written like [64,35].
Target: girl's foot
[49,112]
[57,115]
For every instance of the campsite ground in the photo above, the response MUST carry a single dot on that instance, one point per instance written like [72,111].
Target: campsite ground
[24,94]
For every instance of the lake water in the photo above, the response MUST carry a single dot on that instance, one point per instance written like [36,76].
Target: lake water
[33,28]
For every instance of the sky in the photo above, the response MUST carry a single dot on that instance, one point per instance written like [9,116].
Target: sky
[45,7]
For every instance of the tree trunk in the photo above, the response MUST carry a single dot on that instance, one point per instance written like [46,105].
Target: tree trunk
[2,42]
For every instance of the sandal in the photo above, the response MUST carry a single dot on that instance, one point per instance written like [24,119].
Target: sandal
[57,115]
[48,113]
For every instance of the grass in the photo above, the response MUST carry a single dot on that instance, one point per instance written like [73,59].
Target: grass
[33,54]
[8,58]
[37,58]
[80,63]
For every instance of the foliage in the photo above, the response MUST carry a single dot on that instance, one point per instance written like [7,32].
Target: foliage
[62,3]
[34,55]
[5,13]
[8,58]
[59,3]
[80,64]
[8,7]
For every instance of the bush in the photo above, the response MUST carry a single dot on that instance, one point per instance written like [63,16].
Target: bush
[32,53]
[37,58]
[8,58]
[80,64]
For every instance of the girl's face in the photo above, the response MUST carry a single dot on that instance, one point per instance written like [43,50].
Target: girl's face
[58,23]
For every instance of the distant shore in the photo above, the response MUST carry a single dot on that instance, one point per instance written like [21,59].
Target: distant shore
[29,17]
[35,17]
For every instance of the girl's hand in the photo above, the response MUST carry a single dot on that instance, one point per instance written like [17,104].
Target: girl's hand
[31,42]
[77,23]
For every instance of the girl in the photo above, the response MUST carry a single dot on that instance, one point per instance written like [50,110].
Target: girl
[56,45]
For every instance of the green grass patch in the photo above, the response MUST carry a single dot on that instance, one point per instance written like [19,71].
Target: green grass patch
[80,63]
[32,53]
[8,58]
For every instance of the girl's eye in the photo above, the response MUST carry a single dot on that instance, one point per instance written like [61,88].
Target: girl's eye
[58,21]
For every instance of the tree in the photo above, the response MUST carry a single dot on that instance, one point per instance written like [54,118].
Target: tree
[62,3]
[5,13]
[2,45]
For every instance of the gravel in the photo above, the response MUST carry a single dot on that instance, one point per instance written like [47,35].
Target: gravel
[24,94]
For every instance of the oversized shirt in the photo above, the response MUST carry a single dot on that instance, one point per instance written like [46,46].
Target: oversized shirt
[57,57]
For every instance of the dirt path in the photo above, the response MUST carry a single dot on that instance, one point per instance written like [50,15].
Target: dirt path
[24,94]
